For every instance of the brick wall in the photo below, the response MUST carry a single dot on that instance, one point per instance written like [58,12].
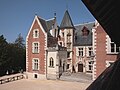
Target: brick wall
[101,54]
[41,54]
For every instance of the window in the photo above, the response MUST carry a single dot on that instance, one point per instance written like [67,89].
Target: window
[68,38]
[90,65]
[35,76]
[51,63]
[114,48]
[68,66]
[68,45]
[60,43]
[35,64]
[35,47]
[68,54]
[90,51]
[85,31]
[35,33]
[63,34]
[80,51]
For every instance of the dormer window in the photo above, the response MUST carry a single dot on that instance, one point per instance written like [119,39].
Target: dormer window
[35,33]
[85,31]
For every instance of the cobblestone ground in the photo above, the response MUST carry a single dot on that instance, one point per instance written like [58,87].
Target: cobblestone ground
[26,84]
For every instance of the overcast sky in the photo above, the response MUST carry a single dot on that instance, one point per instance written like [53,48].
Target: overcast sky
[16,16]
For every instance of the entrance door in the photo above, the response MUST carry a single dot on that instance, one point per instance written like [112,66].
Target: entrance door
[80,67]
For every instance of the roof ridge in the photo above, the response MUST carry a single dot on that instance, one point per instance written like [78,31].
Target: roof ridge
[50,19]
[85,23]
[41,18]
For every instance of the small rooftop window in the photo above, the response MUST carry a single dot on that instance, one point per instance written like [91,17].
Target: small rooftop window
[85,31]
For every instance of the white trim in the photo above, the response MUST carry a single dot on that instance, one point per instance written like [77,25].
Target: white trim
[96,24]
[108,46]
[50,19]
[31,27]
[94,51]
[26,54]
[108,63]
[85,23]
[36,18]
[45,48]
[40,25]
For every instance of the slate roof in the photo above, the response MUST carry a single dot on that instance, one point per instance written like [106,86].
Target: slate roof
[50,23]
[47,25]
[81,40]
[43,23]
[66,21]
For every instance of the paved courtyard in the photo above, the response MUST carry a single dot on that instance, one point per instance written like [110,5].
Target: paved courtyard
[26,84]
[75,81]
[77,77]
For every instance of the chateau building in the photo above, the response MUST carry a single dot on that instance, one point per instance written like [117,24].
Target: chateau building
[52,49]
[104,49]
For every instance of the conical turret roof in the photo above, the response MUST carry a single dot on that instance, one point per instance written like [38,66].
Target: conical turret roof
[66,21]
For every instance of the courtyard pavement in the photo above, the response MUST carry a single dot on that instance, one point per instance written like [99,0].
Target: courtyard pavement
[77,77]
[69,83]
[26,84]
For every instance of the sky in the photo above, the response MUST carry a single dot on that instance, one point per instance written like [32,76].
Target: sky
[16,16]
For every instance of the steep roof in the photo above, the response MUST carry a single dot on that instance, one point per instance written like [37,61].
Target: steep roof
[66,21]
[81,40]
[50,23]
[43,23]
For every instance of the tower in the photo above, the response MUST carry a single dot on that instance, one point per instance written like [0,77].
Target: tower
[66,37]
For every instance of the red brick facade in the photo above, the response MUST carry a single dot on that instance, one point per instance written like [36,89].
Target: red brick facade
[101,51]
[41,54]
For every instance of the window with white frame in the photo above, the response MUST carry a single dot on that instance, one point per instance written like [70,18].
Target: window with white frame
[90,65]
[35,64]
[35,33]
[90,51]
[114,48]
[80,51]
[51,62]
[35,47]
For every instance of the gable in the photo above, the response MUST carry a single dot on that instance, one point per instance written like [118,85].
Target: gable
[35,25]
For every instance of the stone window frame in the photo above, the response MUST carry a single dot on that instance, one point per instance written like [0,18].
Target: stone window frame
[35,49]
[80,51]
[35,64]
[36,33]
[109,49]
[51,62]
